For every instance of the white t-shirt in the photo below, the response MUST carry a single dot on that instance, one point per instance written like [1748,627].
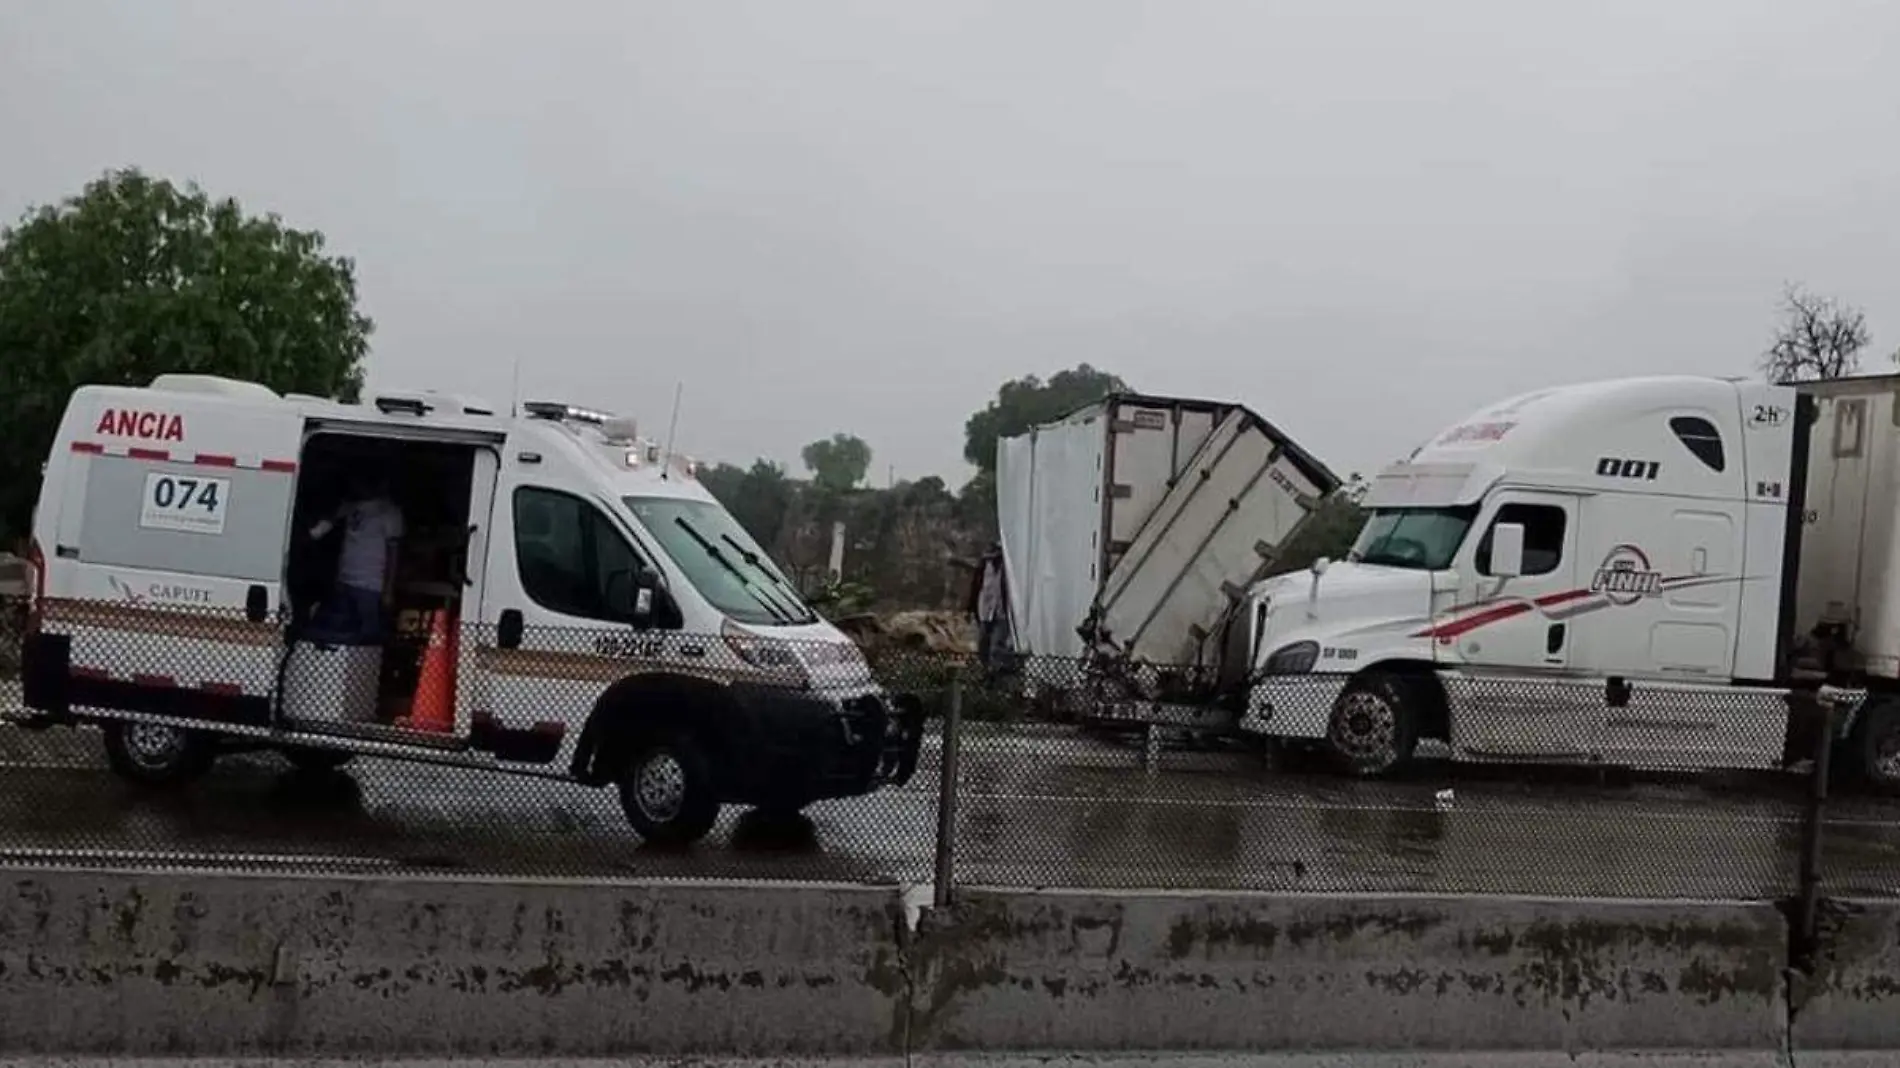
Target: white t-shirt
[368,528]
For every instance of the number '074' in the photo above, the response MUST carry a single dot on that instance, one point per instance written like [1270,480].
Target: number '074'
[183,494]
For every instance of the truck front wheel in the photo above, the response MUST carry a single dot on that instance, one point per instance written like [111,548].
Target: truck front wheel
[666,790]
[154,754]
[1374,726]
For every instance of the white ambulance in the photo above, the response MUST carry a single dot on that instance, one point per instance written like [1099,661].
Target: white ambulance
[1633,572]
[601,618]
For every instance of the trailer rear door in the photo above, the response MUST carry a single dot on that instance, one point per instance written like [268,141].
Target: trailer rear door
[1216,532]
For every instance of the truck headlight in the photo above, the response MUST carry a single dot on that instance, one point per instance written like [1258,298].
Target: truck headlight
[1295,659]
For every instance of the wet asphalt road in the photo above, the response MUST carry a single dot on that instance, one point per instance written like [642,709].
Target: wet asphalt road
[1039,807]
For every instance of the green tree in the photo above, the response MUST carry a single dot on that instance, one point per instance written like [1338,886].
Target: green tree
[1330,532]
[759,497]
[976,505]
[135,277]
[837,464]
[1028,401]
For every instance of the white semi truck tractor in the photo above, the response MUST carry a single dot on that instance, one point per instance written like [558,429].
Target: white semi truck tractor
[1640,571]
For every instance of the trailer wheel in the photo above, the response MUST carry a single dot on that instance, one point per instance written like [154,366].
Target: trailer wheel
[1374,726]
[156,755]
[666,790]
[1875,746]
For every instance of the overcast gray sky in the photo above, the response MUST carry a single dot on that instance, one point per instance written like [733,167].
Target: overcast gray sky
[1363,217]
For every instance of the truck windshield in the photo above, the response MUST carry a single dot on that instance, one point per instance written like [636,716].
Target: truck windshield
[1421,538]
[721,560]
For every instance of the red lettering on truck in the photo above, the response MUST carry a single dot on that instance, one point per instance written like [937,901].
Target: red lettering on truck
[147,426]
[1470,432]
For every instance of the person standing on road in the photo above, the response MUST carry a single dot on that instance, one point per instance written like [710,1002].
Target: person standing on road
[989,605]
[372,528]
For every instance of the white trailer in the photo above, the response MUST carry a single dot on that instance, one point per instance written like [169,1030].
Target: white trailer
[1133,527]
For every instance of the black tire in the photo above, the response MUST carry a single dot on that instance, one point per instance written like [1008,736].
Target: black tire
[1873,749]
[157,756]
[313,760]
[1374,726]
[666,790]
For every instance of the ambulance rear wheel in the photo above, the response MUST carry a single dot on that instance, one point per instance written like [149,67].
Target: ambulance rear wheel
[1374,726]
[153,754]
[667,790]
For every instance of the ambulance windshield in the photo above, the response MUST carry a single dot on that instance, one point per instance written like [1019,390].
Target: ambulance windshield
[722,561]
[1423,539]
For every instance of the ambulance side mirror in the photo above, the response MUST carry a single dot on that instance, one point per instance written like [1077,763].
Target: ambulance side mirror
[1507,550]
[635,593]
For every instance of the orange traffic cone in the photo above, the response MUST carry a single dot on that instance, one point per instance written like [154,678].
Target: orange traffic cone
[434,706]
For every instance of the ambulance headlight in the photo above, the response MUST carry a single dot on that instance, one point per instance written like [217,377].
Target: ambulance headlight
[775,659]
[1295,659]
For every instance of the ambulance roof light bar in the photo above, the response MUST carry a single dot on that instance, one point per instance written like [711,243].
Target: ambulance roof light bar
[565,413]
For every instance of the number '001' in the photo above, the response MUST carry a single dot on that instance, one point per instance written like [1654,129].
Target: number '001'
[1614,467]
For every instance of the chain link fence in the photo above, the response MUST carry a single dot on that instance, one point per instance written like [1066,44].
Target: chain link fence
[137,733]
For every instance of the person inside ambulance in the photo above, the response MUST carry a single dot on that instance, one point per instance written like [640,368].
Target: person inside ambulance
[353,612]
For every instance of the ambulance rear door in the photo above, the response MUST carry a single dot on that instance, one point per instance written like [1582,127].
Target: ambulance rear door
[167,568]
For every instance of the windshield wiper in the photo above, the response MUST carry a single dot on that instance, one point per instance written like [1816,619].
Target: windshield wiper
[758,565]
[778,613]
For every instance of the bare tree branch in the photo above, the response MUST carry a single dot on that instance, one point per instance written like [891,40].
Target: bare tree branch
[1819,337]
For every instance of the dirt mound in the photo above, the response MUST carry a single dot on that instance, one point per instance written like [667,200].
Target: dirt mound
[929,631]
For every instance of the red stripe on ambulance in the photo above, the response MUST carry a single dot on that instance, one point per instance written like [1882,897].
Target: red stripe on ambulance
[154,681]
[199,459]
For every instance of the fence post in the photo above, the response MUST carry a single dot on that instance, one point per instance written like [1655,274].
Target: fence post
[947,794]
[1808,915]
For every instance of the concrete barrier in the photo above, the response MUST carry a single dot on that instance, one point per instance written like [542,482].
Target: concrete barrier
[132,964]
[1850,998]
[1101,971]
[206,964]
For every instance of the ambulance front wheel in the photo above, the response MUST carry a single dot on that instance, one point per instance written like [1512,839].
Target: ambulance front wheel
[153,754]
[1374,726]
[667,790]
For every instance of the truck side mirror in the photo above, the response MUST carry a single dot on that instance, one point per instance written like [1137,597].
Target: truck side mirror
[1507,550]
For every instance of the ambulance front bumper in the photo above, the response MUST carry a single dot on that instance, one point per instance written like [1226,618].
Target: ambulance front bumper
[804,747]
